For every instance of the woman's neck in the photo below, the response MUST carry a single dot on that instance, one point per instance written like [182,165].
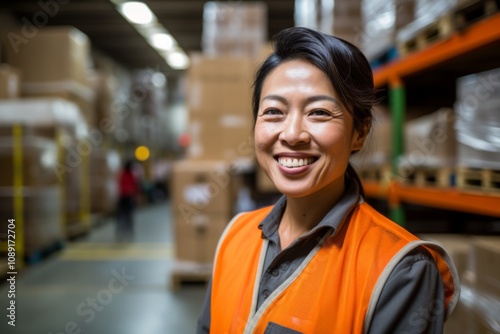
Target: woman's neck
[302,214]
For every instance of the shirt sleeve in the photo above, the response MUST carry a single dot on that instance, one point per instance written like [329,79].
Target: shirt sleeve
[204,319]
[412,300]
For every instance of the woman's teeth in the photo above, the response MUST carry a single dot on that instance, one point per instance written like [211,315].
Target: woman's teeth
[290,163]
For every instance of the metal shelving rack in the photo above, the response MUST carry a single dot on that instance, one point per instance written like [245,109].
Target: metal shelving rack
[468,51]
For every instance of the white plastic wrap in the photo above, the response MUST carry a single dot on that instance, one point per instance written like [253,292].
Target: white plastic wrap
[379,21]
[35,112]
[478,120]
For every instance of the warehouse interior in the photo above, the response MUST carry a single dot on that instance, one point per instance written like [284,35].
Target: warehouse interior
[89,86]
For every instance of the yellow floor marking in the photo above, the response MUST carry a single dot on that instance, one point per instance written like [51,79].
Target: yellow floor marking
[117,251]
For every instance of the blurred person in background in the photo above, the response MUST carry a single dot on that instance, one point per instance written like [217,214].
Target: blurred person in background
[128,191]
[321,260]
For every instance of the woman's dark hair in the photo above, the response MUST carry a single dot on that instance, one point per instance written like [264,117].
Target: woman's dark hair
[343,63]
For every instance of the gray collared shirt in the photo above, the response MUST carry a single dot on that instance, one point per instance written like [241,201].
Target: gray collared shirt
[407,301]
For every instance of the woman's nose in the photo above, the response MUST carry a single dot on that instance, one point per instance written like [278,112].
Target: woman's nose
[294,131]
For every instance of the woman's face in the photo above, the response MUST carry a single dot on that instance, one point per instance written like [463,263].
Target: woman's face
[303,135]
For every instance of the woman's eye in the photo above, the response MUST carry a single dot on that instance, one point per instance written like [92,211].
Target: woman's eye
[320,112]
[272,112]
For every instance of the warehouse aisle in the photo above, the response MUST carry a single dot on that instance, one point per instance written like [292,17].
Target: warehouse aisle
[100,286]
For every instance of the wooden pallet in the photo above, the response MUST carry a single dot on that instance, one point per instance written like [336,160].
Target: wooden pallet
[457,19]
[440,29]
[189,272]
[474,11]
[377,174]
[487,180]
[430,176]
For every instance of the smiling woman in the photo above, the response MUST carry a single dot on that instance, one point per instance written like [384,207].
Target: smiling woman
[321,260]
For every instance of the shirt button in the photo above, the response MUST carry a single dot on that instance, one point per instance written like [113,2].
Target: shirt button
[265,294]
[275,272]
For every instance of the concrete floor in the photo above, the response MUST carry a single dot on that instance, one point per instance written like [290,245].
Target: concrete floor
[97,286]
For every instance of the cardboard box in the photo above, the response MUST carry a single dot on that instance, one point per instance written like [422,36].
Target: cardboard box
[220,85]
[104,85]
[42,217]
[104,169]
[405,12]
[430,140]
[221,137]
[103,194]
[59,55]
[197,235]
[200,187]
[39,156]
[61,67]
[10,82]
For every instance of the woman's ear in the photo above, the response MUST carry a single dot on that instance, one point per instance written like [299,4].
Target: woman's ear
[358,138]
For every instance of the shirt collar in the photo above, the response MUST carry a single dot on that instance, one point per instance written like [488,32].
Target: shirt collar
[332,220]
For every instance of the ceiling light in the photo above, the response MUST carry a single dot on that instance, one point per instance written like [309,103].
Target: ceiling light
[137,12]
[178,60]
[162,41]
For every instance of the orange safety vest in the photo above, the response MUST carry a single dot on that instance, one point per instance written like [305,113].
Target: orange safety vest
[334,290]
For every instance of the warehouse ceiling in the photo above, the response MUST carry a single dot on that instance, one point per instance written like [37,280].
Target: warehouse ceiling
[111,34]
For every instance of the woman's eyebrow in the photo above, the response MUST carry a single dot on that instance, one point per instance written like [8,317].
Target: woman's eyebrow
[310,99]
[316,98]
[275,97]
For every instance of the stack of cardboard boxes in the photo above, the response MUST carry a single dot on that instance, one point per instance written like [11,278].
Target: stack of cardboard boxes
[104,168]
[220,126]
[203,201]
[54,64]
[61,67]
[234,28]
[219,103]
[205,185]
[35,175]
[30,190]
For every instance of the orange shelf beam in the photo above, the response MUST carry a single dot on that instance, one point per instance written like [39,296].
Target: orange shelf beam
[374,189]
[480,34]
[452,199]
